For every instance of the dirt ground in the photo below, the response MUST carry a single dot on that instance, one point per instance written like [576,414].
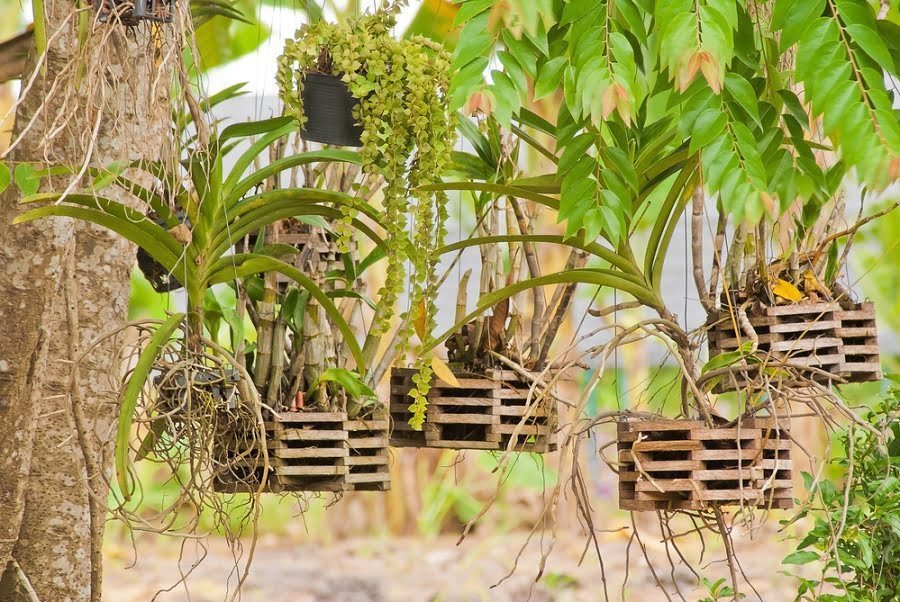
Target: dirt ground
[431,570]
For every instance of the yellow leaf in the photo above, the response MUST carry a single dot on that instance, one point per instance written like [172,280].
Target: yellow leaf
[419,322]
[443,372]
[786,290]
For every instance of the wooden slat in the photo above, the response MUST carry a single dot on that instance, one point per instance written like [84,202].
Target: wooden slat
[446,444]
[306,417]
[366,425]
[803,327]
[664,425]
[744,455]
[483,402]
[311,470]
[367,442]
[310,452]
[727,474]
[805,344]
[666,485]
[523,430]
[314,435]
[366,460]
[368,477]
[857,332]
[678,445]
[521,411]
[811,309]
[713,434]
[438,417]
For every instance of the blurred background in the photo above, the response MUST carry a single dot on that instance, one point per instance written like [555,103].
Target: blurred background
[403,545]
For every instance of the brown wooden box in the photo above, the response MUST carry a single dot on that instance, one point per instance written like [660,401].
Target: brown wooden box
[685,465]
[484,412]
[308,451]
[317,254]
[800,335]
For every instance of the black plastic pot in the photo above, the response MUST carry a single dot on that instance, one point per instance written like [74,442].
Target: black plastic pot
[328,106]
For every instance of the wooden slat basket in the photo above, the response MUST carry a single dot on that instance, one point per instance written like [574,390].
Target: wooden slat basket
[484,412]
[685,465]
[840,342]
[318,253]
[800,335]
[308,451]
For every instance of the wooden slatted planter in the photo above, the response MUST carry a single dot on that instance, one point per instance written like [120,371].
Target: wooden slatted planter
[318,253]
[801,335]
[685,465]
[861,360]
[308,451]
[484,412]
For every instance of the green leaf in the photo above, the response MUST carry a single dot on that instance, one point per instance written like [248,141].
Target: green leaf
[800,558]
[5,177]
[709,126]
[142,232]
[550,75]
[613,225]
[729,358]
[132,391]
[506,98]
[596,277]
[27,179]
[254,128]
[250,263]
[873,45]
[742,92]
[350,381]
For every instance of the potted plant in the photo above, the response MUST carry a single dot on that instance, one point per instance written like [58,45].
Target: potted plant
[497,389]
[791,320]
[400,101]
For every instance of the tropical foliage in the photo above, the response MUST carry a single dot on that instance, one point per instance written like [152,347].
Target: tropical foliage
[752,94]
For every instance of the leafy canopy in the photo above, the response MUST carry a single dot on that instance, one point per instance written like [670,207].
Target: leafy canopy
[777,102]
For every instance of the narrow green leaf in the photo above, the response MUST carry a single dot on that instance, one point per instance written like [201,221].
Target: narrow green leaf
[800,558]
[130,397]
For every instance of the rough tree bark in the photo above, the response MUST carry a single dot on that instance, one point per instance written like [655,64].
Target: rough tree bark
[44,497]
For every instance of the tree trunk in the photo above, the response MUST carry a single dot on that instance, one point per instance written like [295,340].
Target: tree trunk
[119,112]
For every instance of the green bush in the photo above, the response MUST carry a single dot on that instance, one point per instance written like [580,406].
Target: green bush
[857,531]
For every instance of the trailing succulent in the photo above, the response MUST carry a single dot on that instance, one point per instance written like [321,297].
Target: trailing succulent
[408,135]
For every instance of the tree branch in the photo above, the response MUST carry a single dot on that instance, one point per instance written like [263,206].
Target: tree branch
[698,205]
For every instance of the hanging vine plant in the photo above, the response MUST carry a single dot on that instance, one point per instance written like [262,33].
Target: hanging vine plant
[400,102]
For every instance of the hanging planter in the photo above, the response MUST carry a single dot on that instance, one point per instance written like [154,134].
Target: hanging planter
[835,342]
[485,411]
[329,108]
[131,13]
[179,391]
[318,252]
[307,451]
[686,465]
[790,339]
